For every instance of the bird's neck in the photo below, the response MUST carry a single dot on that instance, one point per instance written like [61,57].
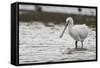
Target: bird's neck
[70,27]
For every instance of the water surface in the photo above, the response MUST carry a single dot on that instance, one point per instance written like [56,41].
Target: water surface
[39,43]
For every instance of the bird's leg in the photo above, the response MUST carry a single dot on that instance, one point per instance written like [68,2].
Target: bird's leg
[75,44]
[82,43]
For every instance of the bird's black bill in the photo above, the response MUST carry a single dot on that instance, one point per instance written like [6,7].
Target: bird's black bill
[63,30]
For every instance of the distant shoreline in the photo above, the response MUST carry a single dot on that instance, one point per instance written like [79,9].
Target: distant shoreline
[56,18]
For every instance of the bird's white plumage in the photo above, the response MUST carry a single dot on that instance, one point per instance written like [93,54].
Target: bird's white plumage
[77,32]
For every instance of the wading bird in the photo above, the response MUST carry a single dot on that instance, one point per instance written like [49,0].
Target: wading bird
[77,32]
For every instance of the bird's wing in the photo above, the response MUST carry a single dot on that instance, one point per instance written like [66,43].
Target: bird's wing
[82,30]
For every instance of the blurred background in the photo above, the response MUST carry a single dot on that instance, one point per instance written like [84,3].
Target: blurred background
[57,15]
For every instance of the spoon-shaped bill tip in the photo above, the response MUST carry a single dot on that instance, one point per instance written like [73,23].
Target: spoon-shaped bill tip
[60,36]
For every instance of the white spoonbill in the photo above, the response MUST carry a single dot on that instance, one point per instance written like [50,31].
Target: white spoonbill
[77,32]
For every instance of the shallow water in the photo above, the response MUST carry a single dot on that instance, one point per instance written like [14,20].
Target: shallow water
[39,43]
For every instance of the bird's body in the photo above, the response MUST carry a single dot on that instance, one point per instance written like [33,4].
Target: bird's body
[77,32]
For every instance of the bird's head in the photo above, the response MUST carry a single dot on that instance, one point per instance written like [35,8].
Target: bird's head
[69,20]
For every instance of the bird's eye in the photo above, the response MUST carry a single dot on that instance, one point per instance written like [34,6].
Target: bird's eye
[68,21]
